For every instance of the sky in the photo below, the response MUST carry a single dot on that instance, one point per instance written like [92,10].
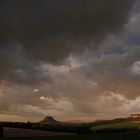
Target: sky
[71,59]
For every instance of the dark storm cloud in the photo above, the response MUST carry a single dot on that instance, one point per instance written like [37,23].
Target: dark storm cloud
[44,28]
[49,30]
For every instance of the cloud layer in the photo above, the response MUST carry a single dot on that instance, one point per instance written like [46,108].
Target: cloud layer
[69,58]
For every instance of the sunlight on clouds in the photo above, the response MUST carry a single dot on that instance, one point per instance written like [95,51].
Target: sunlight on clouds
[120,103]
[72,63]
[36,90]
[58,103]
[55,107]
[136,68]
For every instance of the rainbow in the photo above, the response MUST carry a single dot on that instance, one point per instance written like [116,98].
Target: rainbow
[3,82]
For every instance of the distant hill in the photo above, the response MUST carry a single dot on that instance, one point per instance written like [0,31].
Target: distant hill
[49,120]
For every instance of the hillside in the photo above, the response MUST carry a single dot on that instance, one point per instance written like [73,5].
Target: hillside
[112,125]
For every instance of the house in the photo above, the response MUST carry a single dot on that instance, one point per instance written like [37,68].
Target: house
[135,116]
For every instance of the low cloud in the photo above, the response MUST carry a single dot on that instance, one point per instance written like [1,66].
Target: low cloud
[136,68]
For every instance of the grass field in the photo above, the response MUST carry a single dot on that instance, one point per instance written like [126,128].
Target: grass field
[121,125]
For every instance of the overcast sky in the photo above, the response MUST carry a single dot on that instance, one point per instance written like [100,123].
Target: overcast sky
[71,59]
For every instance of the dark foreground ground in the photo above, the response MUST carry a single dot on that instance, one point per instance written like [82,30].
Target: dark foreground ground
[117,129]
[98,136]
[21,132]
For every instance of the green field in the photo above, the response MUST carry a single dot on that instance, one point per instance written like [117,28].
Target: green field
[117,126]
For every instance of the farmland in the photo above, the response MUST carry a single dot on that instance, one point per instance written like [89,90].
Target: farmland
[117,129]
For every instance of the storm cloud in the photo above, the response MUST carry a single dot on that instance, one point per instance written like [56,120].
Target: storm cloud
[50,30]
[69,57]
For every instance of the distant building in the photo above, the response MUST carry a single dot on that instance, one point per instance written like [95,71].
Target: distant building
[135,116]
